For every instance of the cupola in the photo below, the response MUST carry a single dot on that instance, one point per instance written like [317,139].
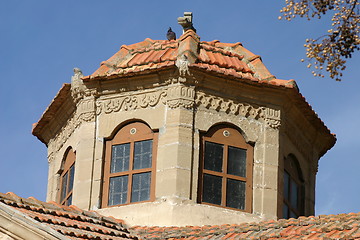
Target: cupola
[183,132]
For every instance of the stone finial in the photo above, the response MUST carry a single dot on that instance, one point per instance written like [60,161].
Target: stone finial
[77,74]
[186,21]
[77,85]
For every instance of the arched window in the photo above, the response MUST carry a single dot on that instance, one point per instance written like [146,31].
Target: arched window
[225,177]
[293,203]
[67,178]
[129,170]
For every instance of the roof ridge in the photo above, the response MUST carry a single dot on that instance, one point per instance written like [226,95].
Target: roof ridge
[221,50]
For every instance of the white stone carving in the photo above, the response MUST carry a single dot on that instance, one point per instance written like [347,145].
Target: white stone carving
[180,96]
[272,117]
[182,63]
[77,85]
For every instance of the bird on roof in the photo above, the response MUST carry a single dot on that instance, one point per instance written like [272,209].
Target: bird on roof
[170,34]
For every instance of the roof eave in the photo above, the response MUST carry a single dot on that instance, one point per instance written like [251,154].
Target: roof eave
[50,111]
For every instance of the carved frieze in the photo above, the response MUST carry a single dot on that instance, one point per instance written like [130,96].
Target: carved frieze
[86,111]
[126,103]
[180,96]
[270,116]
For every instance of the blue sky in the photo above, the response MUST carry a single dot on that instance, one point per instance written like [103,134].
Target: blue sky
[42,41]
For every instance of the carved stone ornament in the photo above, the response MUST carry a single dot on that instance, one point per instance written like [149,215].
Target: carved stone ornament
[64,134]
[182,64]
[126,103]
[270,116]
[86,111]
[180,96]
[77,85]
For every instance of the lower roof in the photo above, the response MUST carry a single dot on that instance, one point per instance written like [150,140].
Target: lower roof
[74,223]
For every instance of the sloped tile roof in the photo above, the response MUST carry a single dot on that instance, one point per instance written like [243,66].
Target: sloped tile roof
[342,226]
[74,223]
[222,58]
[230,60]
[71,222]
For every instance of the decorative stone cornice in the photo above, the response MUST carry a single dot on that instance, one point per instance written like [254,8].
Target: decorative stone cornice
[180,96]
[126,103]
[174,96]
[270,116]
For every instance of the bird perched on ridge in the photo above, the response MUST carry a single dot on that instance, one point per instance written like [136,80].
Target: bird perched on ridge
[170,34]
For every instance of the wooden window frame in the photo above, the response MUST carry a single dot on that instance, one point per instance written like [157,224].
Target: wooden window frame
[123,136]
[292,168]
[217,135]
[68,163]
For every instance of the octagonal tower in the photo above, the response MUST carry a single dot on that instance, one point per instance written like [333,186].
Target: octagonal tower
[183,132]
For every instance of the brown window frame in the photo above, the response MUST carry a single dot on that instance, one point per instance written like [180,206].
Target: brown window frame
[68,164]
[293,170]
[123,136]
[217,135]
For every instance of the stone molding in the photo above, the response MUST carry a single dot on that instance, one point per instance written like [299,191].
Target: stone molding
[180,96]
[174,96]
[270,116]
[126,103]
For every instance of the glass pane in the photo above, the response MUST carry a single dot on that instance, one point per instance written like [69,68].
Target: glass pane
[212,189]
[237,161]
[120,158]
[213,156]
[118,190]
[286,185]
[293,215]
[71,178]
[235,194]
[143,154]
[63,187]
[285,211]
[294,194]
[141,187]
[69,201]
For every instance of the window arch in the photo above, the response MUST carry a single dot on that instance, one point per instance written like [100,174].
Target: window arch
[67,178]
[293,203]
[129,169]
[226,162]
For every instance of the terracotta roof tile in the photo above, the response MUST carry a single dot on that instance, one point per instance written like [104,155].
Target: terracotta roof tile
[69,221]
[342,226]
[222,58]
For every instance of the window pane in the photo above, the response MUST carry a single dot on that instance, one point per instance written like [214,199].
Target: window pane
[213,156]
[118,190]
[143,154]
[286,185]
[212,188]
[294,194]
[71,178]
[293,215]
[285,211]
[120,158]
[141,187]
[237,161]
[235,194]
[63,187]
[69,201]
